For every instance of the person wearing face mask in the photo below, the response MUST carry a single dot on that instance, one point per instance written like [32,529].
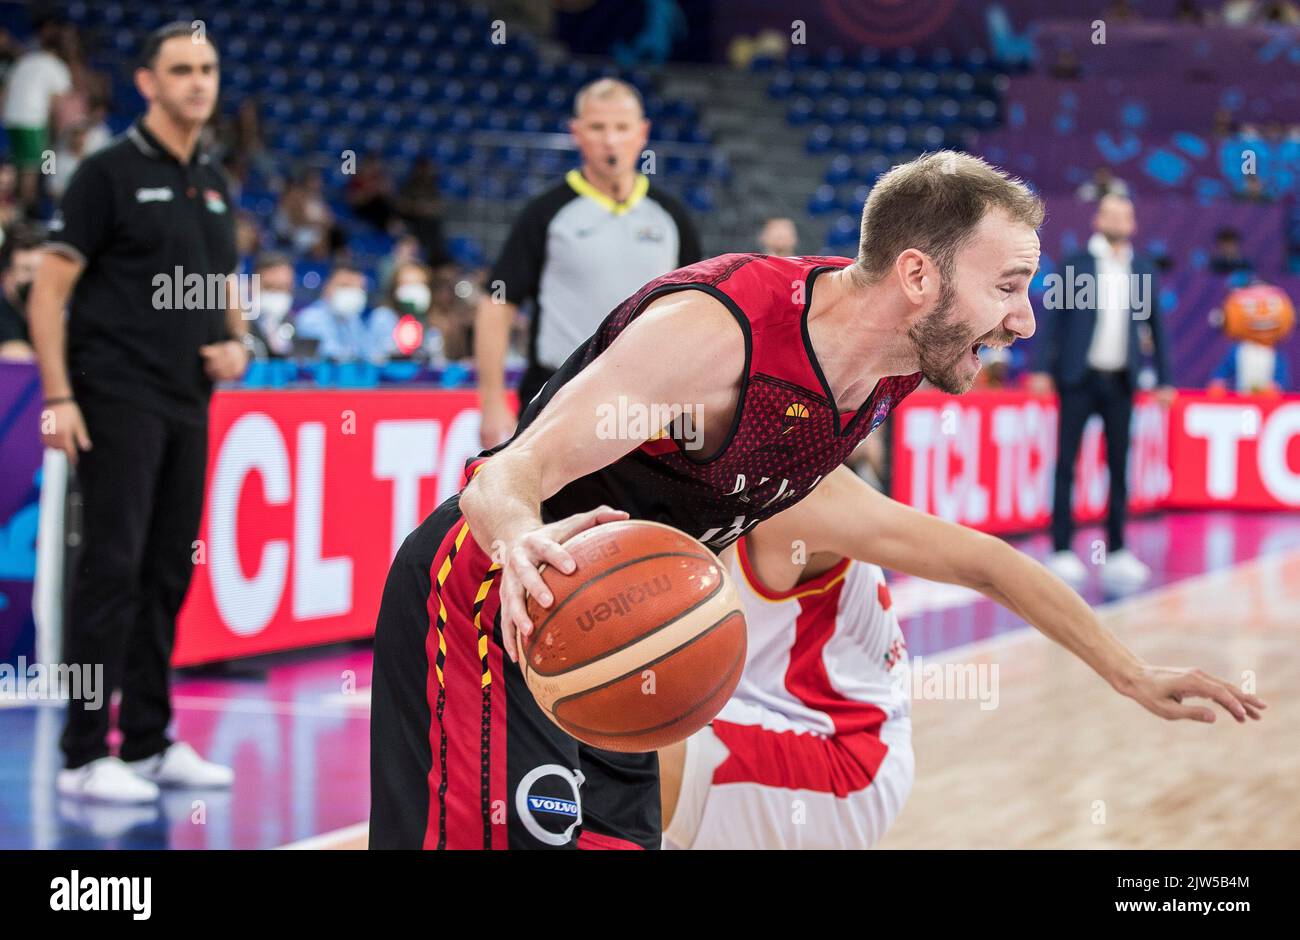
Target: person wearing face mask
[409,294]
[337,319]
[21,254]
[269,322]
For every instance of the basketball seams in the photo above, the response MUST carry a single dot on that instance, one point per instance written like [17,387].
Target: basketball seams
[736,665]
[649,647]
[536,637]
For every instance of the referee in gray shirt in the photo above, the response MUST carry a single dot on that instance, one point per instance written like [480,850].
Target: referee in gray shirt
[578,250]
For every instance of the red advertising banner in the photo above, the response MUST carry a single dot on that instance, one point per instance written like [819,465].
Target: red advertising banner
[986,460]
[309,495]
[1235,451]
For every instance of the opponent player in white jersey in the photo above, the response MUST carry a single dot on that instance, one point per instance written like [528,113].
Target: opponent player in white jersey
[814,749]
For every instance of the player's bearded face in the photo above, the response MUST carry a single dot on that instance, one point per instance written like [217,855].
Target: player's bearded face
[945,346]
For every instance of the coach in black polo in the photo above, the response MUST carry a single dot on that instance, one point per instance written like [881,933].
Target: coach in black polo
[139,255]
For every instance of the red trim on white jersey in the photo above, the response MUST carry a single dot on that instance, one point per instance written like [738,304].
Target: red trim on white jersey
[812,586]
[839,764]
[822,655]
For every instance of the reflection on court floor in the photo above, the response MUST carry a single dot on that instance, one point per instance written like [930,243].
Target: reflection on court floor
[1061,761]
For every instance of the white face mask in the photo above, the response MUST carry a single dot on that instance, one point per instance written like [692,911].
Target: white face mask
[273,305]
[348,301]
[413,298]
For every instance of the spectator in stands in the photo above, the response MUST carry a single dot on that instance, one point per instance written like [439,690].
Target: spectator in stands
[1066,66]
[578,250]
[19,257]
[405,250]
[35,84]
[1224,125]
[244,150]
[337,319]
[11,209]
[270,324]
[1253,190]
[1239,12]
[1281,11]
[248,239]
[73,148]
[370,194]
[10,50]
[88,85]
[1089,351]
[995,369]
[1120,11]
[1227,258]
[1189,12]
[779,237]
[420,207]
[1103,183]
[409,294]
[456,296]
[304,219]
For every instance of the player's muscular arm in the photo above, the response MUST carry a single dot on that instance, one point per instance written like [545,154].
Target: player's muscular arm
[684,350]
[845,516]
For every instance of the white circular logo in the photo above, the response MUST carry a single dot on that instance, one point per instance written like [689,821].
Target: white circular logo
[545,807]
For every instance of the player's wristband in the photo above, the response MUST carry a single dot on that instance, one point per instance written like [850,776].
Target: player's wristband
[57,401]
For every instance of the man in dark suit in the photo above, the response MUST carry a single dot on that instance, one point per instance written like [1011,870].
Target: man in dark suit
[1089,349]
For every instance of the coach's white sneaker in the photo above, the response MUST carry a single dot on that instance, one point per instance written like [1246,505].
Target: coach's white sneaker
[1123,569]
[107,779]
[181,766]
[1065,565]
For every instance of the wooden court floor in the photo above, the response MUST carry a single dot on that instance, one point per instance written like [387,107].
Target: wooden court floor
[1064,762]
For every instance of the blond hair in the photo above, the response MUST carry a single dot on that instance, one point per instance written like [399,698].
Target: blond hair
[605,88]
[933,204]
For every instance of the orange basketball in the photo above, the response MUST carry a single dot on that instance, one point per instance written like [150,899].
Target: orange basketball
[644,642]
[1261,313]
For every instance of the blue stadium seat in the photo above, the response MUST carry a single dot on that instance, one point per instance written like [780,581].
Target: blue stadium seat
[820,140]
[885,82]
[781,86]
[840,169]
[801,111]
[844,231]
[822,200]
[856,139]
[700,198]
[833,110]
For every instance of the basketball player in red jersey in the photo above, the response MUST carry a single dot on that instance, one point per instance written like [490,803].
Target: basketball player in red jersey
[814,749]
[790,362]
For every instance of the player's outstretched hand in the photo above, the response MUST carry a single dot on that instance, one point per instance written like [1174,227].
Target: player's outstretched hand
[1161,690]
[521,562]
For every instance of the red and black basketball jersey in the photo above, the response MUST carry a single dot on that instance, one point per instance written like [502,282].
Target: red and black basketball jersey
[786,435]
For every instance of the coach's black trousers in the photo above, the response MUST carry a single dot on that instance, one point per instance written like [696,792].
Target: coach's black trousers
[1109,394]
[142,498]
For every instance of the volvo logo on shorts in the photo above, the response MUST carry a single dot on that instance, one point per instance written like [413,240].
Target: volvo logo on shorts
[548,803]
